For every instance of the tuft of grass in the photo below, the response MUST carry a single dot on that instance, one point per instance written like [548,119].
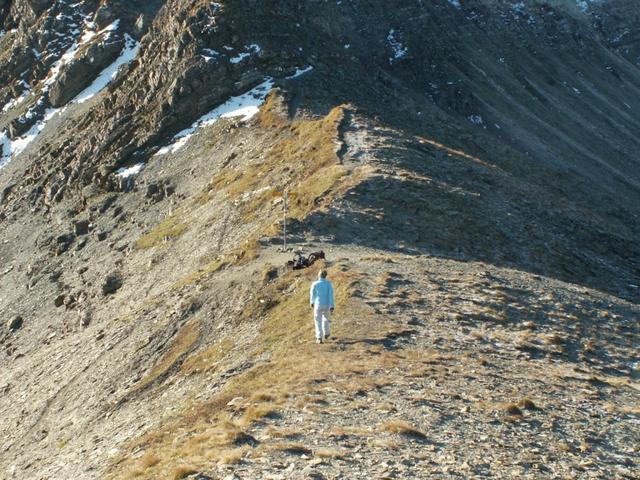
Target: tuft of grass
[184,340]
[512,409]
[404,429]
[329,453]
[148,460]
[208,359]
[256,413]
[169,229]
[263,397]
[233,457]
[288,433]
[528,404]
[304,156]
[386,443]
[291,448]
[183,472]
[211,267]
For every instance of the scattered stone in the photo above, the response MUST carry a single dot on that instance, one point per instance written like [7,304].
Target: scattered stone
[15,323]
[59,300]
[112,284]
[81,227]
[85,318]
[62,243]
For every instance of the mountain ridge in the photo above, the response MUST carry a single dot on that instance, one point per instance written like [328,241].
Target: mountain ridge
[468,167]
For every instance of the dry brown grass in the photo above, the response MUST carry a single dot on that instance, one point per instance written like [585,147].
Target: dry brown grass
[263,397]
[340,432]
[181,344]
[148,460]
[207,359]
[256,413]
[233,457]
[304,154]
[528,404]
[329,453]
[386,443]
[169,229]
[286,335]
[287,433]
[511,409]
[183,472]
[404,429]
[291,448]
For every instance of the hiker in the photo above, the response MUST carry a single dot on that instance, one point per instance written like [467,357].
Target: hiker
[321,298]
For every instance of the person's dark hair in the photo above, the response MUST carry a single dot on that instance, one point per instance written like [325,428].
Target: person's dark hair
[323,274]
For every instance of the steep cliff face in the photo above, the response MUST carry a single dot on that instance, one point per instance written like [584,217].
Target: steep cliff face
[470,167]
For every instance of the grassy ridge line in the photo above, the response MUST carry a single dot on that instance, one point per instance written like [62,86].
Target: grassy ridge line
[211,432]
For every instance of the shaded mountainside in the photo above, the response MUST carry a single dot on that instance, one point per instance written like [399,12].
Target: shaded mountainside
[469,167]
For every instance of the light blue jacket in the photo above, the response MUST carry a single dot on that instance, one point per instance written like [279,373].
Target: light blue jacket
[321,294]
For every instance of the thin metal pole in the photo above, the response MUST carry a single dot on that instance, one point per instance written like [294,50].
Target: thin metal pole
[284,196]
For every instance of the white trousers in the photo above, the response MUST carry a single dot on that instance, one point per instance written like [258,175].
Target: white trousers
[322,316]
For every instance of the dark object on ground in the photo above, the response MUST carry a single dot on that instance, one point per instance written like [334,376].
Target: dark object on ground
[300,261]
[15,323]
[111,284]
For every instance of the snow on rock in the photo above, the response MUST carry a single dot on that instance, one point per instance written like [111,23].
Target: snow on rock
[131,171]
[455,3]
[585,5]
[17,101]
[399,50]
[209,54]
[251,49]
[582,5]
[71,52]
[129,52]
[300,71]
[5,149]
[476,119]
[13,148]
[245,106]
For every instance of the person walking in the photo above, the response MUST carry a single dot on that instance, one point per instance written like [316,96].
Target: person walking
[321,298]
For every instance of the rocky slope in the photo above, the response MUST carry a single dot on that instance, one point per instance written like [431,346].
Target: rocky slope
[469,167]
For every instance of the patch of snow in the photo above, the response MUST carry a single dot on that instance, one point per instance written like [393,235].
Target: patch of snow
[347,46]
[71,52]
[131,171]
[251,49]
[300,71]
[519,8]
[476,119]
[2,33]
[12,148]
[209,54]
[582,5]
[129,52]
[245,106]
[455,3]
[5,149]
[17,101]
[397,48]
